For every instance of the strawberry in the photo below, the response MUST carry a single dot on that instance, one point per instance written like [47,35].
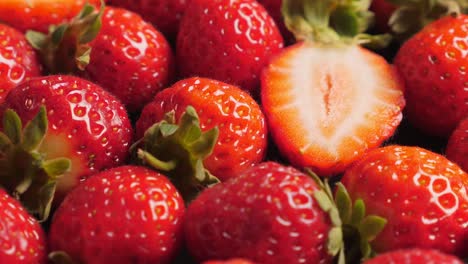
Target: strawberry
[22,239]
[242,138]
[432,64]
[40,14]
[457,147]
[69,122]
[274,9]
[230,261]
[18,62]
[165,15]
[414,256]
[114,48]
[383,10]
[227,40]
[127,214]
[323,108]
[420,193]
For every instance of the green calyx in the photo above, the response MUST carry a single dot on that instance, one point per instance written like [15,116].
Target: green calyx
[24,171]
[352,231]
[413,15]
[178,151]
[66,48]
[331,22]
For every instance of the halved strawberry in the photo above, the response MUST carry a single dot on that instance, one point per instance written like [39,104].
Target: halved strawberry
[326,106]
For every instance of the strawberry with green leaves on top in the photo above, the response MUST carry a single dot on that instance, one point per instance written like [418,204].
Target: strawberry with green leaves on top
[112,47]
[227,40]
[18,61]
[414,256]
[327,99]
[457,146]
[420,193]
[56,131]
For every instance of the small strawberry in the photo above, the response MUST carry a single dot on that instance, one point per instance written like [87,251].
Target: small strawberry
[227,40]
[40,14]
[165,15]
[72,127]
[328,100]
[230,261]
[242,129]
[127,214]
[433,66]
[421,194]
[457,147]
[18,62]
[113,48]
[22,239]
[414,256]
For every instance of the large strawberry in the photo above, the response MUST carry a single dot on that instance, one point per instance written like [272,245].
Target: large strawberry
[127,214]
[414,256]
[227,40]
[433,65]
[73,127]
[114,48]
[457,146]
[40,14]
[18,60]
[22,239]
[272,214]
[421,194]
[242,138]
[328,100]
[165,15]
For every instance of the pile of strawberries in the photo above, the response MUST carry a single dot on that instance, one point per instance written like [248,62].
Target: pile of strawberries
[233,131]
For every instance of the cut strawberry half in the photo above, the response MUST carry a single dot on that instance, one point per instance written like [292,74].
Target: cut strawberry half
[326,106]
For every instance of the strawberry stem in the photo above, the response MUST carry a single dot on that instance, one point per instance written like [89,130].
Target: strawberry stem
[155,162]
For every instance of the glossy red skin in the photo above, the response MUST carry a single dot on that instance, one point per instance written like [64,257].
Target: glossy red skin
[22,239]
[266,215]
[274,9]
[242,140]
[231,261]
[93,124]
[383,10]
[232,50]
[40,14]
[129,58]
[414,256]
[457,147]
[18,61]
[165,15]
[433,64]
[421,194]
[126,214]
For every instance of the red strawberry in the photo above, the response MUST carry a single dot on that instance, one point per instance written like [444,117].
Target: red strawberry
[383,10]
[327,100]
[414,256]
[274,9]
[227,40]
[165,15]
[421,194]
[231,261]
[243,135]
[126,55]
[22,239]
[81,122]
[18,61]
[40,14]
[126,214]
[433,64]
[457,147]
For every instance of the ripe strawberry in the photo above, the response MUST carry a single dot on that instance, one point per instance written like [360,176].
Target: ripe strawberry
[243,134]
[421,194]
[327,100]
[414,256]
[274,9]
[165,15]
[18,62]
[126,55]
[40,14]
[457,147]
[433,65]
[22,239]
[230,261]
[126,214]
[227,40]
[82,123]
[383,10]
